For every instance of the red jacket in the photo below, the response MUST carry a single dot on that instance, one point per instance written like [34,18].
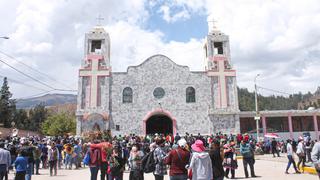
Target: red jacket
[178,165]
[102,147]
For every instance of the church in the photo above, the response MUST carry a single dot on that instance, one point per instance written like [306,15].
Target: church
[158,95]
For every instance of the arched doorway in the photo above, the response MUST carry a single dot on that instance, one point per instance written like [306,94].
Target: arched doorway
[159,123]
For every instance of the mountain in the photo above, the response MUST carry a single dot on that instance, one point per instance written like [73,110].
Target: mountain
[48,100]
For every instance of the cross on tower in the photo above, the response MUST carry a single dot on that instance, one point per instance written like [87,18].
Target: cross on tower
[222,73]
[99,19]
[212,25]
[94,72]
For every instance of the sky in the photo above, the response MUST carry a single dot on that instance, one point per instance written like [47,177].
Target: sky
[278,39]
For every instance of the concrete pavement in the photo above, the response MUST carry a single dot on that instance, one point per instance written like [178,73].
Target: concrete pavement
[265,169]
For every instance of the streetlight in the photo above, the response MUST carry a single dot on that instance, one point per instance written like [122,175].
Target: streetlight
[257,117]
[4,37]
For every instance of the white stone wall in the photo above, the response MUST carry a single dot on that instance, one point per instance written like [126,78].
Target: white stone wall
[159,71]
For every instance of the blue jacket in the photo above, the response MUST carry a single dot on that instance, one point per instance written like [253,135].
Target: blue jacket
[246,150]
[21,164]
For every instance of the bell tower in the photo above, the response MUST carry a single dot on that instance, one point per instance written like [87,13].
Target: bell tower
[94,82]
[218,67]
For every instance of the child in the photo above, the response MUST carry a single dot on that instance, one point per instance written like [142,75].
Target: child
[21,166]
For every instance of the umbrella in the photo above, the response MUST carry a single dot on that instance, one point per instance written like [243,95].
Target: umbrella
[271,135]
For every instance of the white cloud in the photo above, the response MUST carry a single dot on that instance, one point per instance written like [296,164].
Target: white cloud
[278,39]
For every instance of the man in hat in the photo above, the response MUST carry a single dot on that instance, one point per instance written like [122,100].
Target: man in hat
[177,160]
[248,158]
[301,153]
[200,162]
[5,161]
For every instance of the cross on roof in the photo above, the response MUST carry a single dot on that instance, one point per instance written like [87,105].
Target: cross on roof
[99,19]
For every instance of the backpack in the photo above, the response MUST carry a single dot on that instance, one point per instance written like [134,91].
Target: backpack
[148,162]
[86,159]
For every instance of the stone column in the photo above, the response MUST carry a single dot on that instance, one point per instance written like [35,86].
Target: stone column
[315,125]
[264,125]
[290,125]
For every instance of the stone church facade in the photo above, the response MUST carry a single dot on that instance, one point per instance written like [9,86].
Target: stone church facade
[157,96]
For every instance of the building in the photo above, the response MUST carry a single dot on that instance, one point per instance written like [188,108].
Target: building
[157,96]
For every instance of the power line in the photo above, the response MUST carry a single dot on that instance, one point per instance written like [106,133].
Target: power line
[45,84]
[42,73]
[31,96]
[20,82]
[281,92]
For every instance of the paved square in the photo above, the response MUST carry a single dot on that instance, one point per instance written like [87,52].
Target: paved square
[266,169]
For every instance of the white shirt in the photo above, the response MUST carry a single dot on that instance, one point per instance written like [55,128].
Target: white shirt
[300,148]
[289,149]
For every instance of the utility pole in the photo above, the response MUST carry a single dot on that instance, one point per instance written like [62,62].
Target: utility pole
[257,116]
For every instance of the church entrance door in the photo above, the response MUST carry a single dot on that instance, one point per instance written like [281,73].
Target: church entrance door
[160,124]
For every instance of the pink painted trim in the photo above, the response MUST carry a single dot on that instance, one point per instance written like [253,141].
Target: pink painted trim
[159,111]
[94,57]
[220,58]
[290,125]
[226,91]
[316,128]
[264,125]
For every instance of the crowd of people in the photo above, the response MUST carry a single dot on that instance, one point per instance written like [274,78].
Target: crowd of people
[184,157]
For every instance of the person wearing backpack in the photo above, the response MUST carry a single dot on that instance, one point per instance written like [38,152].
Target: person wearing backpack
[53,156]
[177,160]
[95,161]
[159,156]
[116,165]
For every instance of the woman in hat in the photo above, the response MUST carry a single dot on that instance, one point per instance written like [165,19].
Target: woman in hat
[200,164]
[229,161]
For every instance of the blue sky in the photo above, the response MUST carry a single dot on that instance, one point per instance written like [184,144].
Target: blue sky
[181,30]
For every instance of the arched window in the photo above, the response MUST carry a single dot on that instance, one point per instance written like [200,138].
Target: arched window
[127,95]
[190,95]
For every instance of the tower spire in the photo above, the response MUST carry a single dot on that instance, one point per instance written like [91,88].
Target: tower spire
[99,19]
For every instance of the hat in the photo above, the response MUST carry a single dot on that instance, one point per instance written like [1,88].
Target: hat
[198,146]
[182,143]
[226,148]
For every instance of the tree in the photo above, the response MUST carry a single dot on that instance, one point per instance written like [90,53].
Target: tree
[21,119]
[37,116]
[7,105]
[59,124]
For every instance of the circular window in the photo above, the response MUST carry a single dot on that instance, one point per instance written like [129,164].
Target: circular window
[158,92]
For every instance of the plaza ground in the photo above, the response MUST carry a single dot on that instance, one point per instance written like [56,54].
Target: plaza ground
[266,168]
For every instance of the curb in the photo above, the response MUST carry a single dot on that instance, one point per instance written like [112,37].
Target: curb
[310,170]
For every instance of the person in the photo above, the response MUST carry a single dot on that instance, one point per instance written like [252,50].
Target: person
[44,155]
[95,161]
[77,153]
[200,163]
[28,150]
[216,160]
[5,161]
[116,165]
[290,157]
[37,157]
[20,164]
[159,156]
[315,157]
[68,151]
[229,161]
[103,146]
[177,159]
[53,156]
[274,146]
[248,158]
[135,158]
[301,154]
